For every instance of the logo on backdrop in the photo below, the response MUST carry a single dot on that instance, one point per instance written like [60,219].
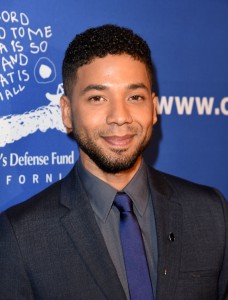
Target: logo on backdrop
[15,127]
[19,43]
[29,102]
[22,51]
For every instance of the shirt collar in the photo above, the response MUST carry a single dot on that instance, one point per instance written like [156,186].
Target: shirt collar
[138,189]
[101,194]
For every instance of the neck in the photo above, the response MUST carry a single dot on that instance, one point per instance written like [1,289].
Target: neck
[116,180]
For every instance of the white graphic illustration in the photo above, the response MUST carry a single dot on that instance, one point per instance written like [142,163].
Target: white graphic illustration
[18,45]
[44,71]
[15,127]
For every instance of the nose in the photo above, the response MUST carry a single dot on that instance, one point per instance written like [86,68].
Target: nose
[119,113]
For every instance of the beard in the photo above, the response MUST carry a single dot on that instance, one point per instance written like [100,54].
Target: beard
[113,163]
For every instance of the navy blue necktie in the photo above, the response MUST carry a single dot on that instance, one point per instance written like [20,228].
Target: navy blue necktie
[133,250]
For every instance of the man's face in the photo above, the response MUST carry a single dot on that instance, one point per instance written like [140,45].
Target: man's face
[111,112]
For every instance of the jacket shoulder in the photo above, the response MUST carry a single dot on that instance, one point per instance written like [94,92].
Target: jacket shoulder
[43,198]
[186,190]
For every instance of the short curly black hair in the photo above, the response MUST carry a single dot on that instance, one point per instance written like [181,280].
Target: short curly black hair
[99,42]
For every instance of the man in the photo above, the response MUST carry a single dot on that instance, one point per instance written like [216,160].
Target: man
[69,241]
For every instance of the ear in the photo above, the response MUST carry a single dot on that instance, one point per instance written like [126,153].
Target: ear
[154,99]
[66,113]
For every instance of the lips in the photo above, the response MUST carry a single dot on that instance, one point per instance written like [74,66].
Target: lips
[119,141]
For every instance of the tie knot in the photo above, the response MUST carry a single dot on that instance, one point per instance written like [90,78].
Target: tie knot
[123,202]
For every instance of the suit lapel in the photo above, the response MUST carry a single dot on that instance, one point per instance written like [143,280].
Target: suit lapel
[168,219]
[82,227]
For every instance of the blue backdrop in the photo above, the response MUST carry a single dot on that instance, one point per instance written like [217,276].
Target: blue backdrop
[189,47]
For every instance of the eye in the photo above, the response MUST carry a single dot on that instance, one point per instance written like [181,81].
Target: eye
[96,99]
[137,98]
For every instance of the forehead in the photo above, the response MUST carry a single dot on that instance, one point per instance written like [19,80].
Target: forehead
[113,68]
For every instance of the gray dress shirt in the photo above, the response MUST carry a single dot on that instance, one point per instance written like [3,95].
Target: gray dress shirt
[101,196]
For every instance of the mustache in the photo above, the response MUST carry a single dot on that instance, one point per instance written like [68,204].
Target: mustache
[119,130]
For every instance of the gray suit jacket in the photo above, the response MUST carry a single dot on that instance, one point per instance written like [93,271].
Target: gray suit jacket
[52,248]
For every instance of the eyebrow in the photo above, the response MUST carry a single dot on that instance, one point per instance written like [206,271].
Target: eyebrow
[101,87]
[91,87]
[135,86]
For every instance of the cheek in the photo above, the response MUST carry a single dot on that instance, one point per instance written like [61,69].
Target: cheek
[146,119]
[88,115]
[84,122]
